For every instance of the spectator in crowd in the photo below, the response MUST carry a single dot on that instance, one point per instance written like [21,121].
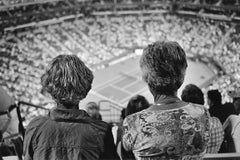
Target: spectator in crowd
[10,126]
[106,36]
[117,130]
[191,93]
[216,108]
[93,110]
[170,128]
[136,104]
[232,129]
[67,132]
[214,100]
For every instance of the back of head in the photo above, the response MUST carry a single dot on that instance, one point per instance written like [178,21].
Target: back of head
[215,97]
[136,104]
[67,79]
[191,93]
[92,105]
[163,66]
[93,110]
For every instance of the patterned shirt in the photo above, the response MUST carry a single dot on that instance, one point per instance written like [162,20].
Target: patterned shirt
[217,135]
[174,134]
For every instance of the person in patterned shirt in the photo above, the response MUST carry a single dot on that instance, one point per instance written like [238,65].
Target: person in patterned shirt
[170,129]
[191,93]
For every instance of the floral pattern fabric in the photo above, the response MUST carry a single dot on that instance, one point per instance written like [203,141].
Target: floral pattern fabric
[176,134]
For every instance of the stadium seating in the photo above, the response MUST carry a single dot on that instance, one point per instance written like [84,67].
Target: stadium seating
[24,54]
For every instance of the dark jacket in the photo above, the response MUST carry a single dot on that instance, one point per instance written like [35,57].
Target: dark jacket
[68,135]
[222,111]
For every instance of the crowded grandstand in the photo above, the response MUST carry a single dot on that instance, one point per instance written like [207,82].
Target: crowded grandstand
[98,39]
[99,32]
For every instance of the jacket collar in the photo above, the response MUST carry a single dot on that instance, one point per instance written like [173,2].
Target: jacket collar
[69,115]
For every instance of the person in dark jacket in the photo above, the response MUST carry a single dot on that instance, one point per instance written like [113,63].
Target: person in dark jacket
[68,132]
[216,108]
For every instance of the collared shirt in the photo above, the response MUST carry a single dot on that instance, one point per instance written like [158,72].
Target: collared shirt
[217,135]
[68,134]
[181,133]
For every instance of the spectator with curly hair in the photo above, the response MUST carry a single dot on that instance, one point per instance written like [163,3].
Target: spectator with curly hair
[191,93]
[67,132]
[170,128]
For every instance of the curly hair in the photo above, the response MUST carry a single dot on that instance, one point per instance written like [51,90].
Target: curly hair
[67,79]
[163,66]
[191,93]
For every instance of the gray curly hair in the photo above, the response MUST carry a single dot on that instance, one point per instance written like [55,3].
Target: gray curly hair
[67,79]
[163,66]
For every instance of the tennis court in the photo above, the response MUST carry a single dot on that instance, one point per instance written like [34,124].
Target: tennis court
[118,83]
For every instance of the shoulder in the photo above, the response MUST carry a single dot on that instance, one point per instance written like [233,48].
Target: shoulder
[101,125]
[36,122]
[215,122]
[131,119]
[197,106]
[232,119]
[196,110]
[200,114]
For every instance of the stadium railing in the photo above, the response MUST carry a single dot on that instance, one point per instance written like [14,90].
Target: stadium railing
[22,104]
[222,156]
[110,111]
[31,105]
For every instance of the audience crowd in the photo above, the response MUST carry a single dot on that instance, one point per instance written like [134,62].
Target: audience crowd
[170,128]
[95,40]
[99,40]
